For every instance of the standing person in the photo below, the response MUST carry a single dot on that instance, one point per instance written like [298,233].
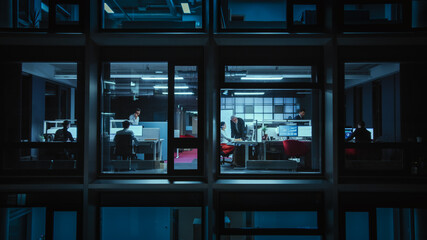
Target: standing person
[134,118]
[301,114]
[360,134]
[238,129]
[63,134]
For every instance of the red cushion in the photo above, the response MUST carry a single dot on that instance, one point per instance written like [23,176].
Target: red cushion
[295,148]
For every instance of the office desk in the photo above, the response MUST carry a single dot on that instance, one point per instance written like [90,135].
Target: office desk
[154,144]
[246,144]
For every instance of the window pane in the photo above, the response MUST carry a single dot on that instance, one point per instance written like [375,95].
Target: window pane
[186,101]
[127,14]
[356,225]
[305,14]
[67,14]
[32,14]
[269,136]
[267,74]
[419,8]
[360,14]
[151,223]
[256,237]
[19,220]
[261,219]
[44,112]
[64,225]
[129,91]
[185,159]
[238,14]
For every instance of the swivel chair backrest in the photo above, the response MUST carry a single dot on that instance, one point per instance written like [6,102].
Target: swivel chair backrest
[124,145]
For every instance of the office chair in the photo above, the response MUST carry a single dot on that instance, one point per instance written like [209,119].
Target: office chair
[124,148]
[224,155]
[295,148]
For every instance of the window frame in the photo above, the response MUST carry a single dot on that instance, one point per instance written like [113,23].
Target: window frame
[19,54]
[277,56]
[203,29]
[52,27]
[174,57]
[405,26]
[290,26]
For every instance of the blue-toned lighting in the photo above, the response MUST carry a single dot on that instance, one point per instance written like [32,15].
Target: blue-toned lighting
[45,7]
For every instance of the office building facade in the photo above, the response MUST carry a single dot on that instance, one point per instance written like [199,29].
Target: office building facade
[302,78]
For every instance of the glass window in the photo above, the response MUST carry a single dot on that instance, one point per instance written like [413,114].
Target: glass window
[419,18]
[19,220]
[389,223]
[244,14]
[44,116]
[375,139]
[67,14]
[267,237]
[373,14]
[305,14]
[65,225]
[266,219]
[153,15]
[186,104]
[151,223]
[185,159]
[268,74]
[267,142]
[135,104]
[30,14]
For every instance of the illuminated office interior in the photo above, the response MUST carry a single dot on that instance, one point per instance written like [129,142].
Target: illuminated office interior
[213,119]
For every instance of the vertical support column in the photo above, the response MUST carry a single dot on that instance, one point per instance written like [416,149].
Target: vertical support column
[330,140]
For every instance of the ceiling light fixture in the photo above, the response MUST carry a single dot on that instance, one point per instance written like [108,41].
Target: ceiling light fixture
[166,87]
[107,8]
[185,8]
[249,93]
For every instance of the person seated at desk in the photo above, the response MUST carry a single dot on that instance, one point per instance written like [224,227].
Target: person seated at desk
[63,135]
[361,134]
[226,149]
[134,118]
[238,129]
[126,131]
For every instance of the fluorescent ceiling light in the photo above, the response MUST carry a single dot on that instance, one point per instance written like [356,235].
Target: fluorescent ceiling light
[262,78]
[159,78]
[165,87]
[158,72]
[110,82]
[249,93]
[179,93]
[107,8]
[66,76]
[185,8]
[125,76]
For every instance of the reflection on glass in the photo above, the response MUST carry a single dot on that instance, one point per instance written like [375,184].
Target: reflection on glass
[419,18]
[277,139]
[186,101]
[126,14]
[242,14]
[185,159]
[30,14]
[24,223]
[360,14]
[356,225]
[268,74]
[305,14]
[64,225]
[67,14]
[151,223]
[134,118]
[265,219]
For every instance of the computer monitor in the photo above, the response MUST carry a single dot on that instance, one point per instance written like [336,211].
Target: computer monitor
[151,133]
[73,131]
[136,129]
[288,131]
[348,132]
[304,131]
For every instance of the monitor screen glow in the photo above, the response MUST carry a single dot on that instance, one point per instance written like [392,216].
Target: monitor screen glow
[288,131]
